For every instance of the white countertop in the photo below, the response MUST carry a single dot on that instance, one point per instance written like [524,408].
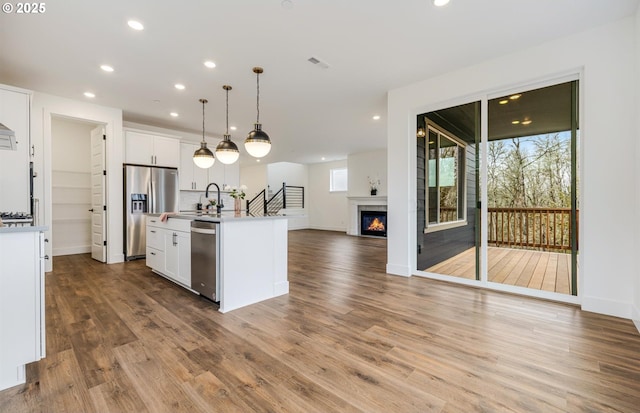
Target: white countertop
[223,217]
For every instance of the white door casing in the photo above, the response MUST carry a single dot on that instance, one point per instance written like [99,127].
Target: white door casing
[98,201]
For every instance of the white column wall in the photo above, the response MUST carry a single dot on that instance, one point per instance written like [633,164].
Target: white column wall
[605,59]
[636,307]
[44,106]
[327,210]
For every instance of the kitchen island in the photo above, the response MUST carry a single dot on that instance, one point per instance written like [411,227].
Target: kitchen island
[22,320]
[251,255]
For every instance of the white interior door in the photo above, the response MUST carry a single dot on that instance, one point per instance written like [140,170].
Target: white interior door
[98,201]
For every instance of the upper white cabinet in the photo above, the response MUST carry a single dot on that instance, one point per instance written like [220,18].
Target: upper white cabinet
[191,176]
[15,105]
[149,149]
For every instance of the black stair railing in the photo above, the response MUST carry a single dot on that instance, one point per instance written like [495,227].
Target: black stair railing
[257,206]
[288,196]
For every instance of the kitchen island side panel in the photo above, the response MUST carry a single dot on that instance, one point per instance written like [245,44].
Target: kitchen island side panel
[253,261]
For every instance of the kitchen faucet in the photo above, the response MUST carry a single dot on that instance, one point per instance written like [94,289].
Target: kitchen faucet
[219,204]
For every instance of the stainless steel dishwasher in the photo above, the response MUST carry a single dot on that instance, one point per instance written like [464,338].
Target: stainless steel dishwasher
[205,277]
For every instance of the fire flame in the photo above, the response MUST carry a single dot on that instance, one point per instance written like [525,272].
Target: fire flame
[376,225]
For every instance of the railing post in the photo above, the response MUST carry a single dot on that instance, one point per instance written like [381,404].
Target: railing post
[284,195]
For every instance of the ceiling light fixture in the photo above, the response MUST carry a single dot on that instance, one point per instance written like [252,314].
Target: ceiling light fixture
[179,86]
[527,122]
[227,152]
[233,128]
[203,157]
[515,122]
[173,114]
[89,94]
[504,101]
[257,143]
[376,117]
[135,25]
[440,3]
[210,64]
[516,96]
[106,68]
[421,133]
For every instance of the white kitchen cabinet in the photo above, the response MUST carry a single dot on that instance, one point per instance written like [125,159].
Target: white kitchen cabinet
[148,149]
[169,248]
[192,178]
[22,319]
[15,105]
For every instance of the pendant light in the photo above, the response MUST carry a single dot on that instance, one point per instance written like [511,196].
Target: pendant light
[203,157]
[257,143]
[227,152]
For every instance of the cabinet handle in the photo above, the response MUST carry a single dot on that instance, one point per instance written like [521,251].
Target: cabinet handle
[175,240]
[153,253]
[153,232]
[46,257]
[152,220]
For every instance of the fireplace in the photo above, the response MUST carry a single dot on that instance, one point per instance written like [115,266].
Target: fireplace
[373,223]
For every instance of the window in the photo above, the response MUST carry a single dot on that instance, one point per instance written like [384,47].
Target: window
[338,180]
[445,172]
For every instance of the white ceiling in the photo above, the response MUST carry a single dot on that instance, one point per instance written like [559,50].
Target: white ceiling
[309,112]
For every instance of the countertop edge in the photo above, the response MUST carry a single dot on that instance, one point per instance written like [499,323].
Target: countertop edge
[25,228]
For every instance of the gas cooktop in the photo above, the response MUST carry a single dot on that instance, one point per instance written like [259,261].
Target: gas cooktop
[16,218]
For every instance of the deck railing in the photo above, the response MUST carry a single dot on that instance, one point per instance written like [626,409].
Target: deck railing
[546,229]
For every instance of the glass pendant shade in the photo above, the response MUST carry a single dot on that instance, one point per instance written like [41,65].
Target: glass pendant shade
[257,143]
[227,152]
[203,157]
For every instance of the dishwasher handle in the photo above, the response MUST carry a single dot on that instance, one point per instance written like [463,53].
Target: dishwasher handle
[203,230]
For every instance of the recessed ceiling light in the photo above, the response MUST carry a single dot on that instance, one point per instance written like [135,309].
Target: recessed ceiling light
[210,64]
[257,160]
[527,122]
[233,128]
[515,122]
[440,3]
[174,114]
[514,97]
[135,25]
[504,101]
[106,68]
[89,94]
[179,86]
[376,117]
[323,158]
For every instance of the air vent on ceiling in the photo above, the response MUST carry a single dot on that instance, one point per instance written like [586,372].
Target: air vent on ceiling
[318,62]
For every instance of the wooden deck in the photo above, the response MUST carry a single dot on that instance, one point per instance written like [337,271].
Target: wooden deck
[540,270]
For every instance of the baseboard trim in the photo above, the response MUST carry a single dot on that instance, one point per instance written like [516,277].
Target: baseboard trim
[607,307]
[71,250]
[396,269]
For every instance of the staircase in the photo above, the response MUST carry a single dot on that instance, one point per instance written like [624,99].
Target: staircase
[288,196]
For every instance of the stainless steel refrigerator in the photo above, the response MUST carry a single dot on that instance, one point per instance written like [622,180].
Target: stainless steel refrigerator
[147,189]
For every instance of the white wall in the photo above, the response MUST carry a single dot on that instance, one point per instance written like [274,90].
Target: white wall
[363,166]
[604,58]
[254,177]
[327,210]
[71,186]
[294,174]
[636,310]
[43,109]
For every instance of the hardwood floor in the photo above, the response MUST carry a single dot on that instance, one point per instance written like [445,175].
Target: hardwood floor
[348,338]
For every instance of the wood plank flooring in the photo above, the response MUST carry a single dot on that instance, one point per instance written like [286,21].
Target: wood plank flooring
[540,270]
[348,338]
